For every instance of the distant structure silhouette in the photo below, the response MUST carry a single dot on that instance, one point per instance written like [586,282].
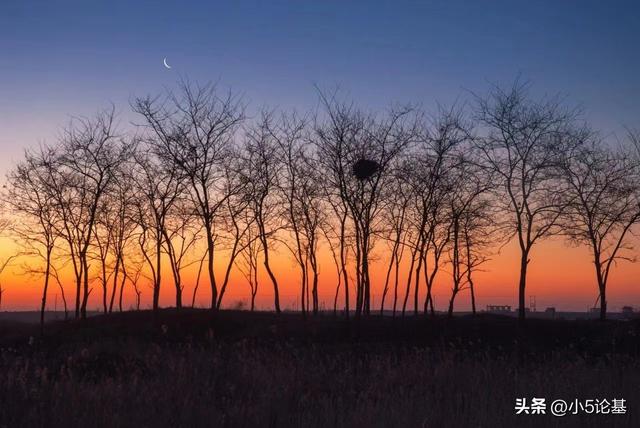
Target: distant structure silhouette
[498,309]
[365,168]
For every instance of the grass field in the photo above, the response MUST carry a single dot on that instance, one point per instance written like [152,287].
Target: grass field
[259,369]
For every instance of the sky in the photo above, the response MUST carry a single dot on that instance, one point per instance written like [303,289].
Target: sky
[64,58]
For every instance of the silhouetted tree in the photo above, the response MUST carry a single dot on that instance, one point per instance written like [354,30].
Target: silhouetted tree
[89,152]
[397,203]
[194,134]
[122,226]
[480,235]
[234,217]
[467,209]
[159,187]
[54,273]
[29,195]
[261,172]
[249,256]
[301,192]
[181,234]
[602,191]
[5,225]
[426,175]
[349,143]
[203,187]
[521,145]
[103,246]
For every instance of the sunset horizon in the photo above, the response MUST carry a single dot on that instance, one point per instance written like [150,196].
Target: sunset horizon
[407,213]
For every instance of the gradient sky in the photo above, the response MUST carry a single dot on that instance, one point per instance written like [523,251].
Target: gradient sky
[62,58]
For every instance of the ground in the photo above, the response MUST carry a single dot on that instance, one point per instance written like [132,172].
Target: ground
[187,368]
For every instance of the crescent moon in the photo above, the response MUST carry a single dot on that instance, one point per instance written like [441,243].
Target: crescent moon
[164,61]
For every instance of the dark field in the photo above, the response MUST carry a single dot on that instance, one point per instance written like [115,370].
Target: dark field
[258,369]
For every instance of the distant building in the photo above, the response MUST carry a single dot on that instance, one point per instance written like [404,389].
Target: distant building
[499,309]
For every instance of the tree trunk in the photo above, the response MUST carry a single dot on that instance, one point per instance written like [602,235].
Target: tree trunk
[450,311]
[116,273]
[343,265]
[85,286]
[396,282]
[212,275]
[469,273]
[366,290]
[416,290]
[124,278]
[473,296]
[524,262]
[178,295]
[103,266]
[157,284]
[303,285]
[455,265]
[314,287]
[78,288]
[602,286]
[406,294]
[430,279]
[44,291]
[386,280]
[358,308]
[603,303]
[267,266]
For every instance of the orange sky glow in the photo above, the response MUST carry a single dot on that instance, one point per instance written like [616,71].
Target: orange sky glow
[559,275]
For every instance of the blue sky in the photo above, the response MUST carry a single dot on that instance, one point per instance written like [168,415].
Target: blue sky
[60,58]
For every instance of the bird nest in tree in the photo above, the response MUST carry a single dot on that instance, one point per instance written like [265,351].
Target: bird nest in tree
[365,168]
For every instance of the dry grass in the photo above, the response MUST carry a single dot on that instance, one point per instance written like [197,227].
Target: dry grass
[209,380]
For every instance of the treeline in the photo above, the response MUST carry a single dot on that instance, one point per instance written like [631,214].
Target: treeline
[198,184]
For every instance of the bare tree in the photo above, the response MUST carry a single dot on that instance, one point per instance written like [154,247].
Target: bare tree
[602,191]
[356,151]
[30,197]
[3,266]
[261,170]
[521,146]
[288,136]
[194,133]
[396,212]
[197,284]
[133,275]
[103,246]
[234,220]
[313,217]
[426,175]
[122,226]
[330,141]
[159,187]
[330,236]
[480,234]
[4,226]
[181,235]
[467,208]
[302,195]
[54,273]
[89,153]
[249,258]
